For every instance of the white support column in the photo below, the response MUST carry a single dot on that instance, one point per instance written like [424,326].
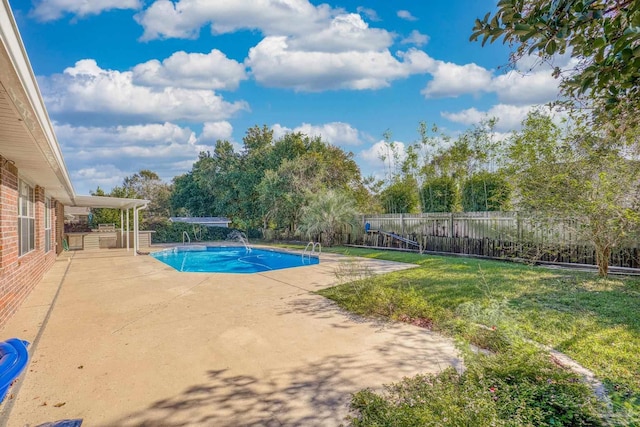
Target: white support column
[135,231]
[128,231]
[121,228]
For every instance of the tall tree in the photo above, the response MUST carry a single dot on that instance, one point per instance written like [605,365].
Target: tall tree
[257,138]
[450,163]
[215,176]
[577,174]
[283,192]
[146,184]
[602,36]
[267,183]
[287,189]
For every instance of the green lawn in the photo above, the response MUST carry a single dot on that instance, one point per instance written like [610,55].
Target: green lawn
[595,321]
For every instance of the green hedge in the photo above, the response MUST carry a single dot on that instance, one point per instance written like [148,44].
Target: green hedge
[171,232]
[485,191]
[400,197]
[439,195]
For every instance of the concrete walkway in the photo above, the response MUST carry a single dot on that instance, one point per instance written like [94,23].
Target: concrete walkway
[132,342]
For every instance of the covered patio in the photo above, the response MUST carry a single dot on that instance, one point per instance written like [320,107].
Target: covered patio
[129,226]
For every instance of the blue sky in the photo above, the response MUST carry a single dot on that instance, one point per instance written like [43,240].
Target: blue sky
[133,84]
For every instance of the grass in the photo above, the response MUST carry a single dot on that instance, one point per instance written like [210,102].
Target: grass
[595,321]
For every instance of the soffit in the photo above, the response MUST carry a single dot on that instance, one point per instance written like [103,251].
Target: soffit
[27,138]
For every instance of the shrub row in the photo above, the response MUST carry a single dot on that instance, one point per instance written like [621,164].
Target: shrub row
[172,232]
[480,193]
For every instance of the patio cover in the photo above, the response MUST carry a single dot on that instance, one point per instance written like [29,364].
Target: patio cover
[118,203]
[108,202]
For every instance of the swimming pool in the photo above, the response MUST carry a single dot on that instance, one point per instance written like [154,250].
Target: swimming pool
[229,259]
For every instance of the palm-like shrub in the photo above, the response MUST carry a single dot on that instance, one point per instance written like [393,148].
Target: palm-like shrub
[327,213]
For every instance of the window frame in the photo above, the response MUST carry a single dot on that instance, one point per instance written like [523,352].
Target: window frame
[47,224]
[26,218]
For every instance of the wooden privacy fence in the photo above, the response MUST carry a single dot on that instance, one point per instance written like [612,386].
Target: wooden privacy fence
[487,234]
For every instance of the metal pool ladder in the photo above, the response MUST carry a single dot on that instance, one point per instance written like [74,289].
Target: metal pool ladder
[312,252]
[185,234]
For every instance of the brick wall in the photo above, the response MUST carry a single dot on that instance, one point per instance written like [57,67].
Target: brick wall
[19,275]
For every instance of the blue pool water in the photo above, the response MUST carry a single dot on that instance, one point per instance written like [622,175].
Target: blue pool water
[229,259]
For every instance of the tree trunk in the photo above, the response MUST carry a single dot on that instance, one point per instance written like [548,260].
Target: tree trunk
[602,259]
[329,235]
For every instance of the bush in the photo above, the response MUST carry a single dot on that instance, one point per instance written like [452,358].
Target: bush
[400,197]
[485,191]
[439,195]
[172,232]
[518,387]
[371,297]
[254,233]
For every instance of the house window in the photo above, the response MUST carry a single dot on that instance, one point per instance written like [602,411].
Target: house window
[47,225]
[26,219]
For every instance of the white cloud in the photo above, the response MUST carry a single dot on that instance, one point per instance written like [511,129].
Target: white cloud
[509,116]
[275,64]
[191,70]
[279,131]
[165,140]
[416,38]
[345,33]
[50,10]
[305,48]
[452,80]
[406,15]
[105,155]
[537,87]
[379,156]
[86,88]
[532,81]
[371,14]
[347,54]
[213,131]
[514,87]
[105,176]
[184,18]
[336,133]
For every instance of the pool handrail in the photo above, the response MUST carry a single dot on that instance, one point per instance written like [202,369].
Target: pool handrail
[184,233]
[313,252]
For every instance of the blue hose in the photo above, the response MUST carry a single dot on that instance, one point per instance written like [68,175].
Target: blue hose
[13,359]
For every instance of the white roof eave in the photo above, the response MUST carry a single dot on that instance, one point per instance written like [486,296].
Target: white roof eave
[29,103]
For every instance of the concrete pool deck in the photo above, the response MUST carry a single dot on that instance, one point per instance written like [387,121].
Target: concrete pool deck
[131,342]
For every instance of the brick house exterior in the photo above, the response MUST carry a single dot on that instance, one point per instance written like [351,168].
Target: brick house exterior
[19,274]
[34,182]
